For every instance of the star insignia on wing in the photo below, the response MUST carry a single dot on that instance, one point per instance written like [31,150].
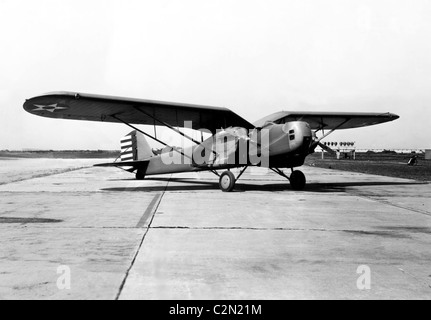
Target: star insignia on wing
[50,108]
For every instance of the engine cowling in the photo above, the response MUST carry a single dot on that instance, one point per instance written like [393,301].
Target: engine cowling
[291,137]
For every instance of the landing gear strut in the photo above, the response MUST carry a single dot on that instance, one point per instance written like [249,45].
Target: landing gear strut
[227,180]
[297,178]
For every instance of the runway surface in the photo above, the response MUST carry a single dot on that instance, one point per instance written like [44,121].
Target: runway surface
[179,237]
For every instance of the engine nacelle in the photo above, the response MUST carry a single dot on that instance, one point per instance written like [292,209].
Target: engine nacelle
[291,137]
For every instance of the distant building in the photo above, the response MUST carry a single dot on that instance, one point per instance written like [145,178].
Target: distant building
[428,154]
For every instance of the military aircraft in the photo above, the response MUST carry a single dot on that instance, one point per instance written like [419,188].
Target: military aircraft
[279,141]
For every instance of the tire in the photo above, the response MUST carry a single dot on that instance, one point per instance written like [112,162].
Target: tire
[297,180]
[227,181]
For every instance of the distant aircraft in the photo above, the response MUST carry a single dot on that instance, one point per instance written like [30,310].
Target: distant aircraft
[280,140]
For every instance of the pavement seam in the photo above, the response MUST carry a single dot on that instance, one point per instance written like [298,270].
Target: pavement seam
[152,212]
[416,278]
[391,204]
[366,232]
[359,232]
[151,209]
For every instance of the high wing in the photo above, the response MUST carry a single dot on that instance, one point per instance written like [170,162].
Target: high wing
[329,120]
[67,105]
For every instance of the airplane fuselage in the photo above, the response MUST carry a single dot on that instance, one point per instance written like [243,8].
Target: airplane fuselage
[276,145]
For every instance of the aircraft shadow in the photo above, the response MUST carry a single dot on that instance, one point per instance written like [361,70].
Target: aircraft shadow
[200,185]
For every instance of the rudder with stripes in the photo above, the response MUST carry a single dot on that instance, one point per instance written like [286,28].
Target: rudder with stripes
[134,147]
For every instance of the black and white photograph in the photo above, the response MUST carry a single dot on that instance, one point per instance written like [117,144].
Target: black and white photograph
[215,155]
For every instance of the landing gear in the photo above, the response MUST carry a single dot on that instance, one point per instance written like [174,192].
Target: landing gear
[297,180]
[227,181]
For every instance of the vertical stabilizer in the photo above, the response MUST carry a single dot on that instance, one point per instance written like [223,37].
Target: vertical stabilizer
[134,147]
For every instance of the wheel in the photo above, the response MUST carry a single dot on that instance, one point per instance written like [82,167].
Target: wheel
[297,180]
[227,181]
[140,175]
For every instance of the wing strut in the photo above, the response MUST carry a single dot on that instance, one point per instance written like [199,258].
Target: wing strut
[172,128]
[327,134]
[167,125]
[150,136]
[242,171]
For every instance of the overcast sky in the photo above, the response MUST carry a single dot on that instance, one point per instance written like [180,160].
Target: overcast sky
[255,57]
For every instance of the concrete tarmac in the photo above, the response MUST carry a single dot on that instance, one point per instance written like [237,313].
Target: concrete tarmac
[71,231]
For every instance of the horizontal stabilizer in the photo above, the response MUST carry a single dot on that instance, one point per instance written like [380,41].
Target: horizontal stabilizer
[135,164]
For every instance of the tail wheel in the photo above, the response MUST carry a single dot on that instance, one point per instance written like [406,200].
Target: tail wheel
[297,180]
[227,181]
[140,175]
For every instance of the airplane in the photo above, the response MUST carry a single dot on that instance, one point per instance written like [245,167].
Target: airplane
[278,141]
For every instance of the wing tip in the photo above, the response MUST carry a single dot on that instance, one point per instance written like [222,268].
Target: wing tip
[393,116]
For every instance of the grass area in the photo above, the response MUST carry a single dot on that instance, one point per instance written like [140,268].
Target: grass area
[391,165]
[63,154]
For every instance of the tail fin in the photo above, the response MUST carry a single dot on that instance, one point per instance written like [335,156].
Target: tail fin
[134,147]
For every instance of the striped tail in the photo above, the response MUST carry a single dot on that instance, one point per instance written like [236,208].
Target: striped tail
[134,147]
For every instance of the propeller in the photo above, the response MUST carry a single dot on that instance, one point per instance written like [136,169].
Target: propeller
[315,144]
[326,148]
